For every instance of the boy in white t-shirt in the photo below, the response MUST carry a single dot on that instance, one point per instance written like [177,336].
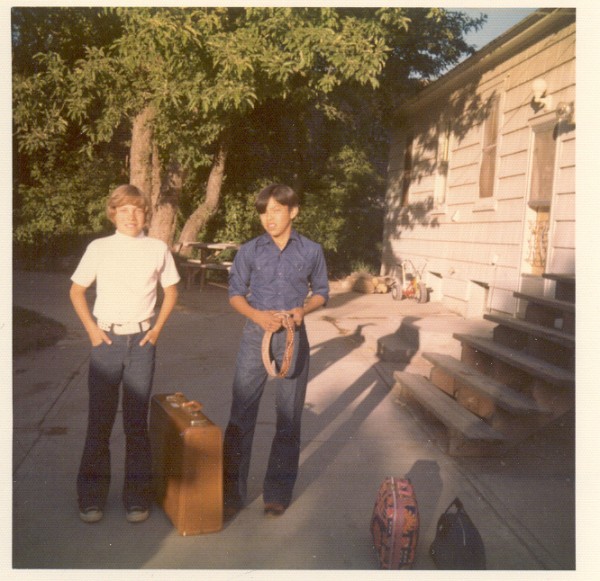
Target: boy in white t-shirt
[126,268]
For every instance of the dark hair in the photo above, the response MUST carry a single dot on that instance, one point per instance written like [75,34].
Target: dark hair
[282,194]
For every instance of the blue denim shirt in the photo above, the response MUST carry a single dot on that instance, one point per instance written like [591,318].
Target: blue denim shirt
[274,279]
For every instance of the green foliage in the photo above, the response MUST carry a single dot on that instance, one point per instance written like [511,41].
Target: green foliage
[359,265]
[65,203]
[304,93]
[343,210]
[237,221]
[64,31]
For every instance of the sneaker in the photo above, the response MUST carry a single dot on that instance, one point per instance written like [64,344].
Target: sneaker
[137,514]
[91,514]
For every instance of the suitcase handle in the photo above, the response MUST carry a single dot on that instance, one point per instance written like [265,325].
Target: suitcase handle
[192,406]
[178,399]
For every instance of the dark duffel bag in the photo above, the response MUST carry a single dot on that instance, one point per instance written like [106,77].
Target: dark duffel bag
[457,543]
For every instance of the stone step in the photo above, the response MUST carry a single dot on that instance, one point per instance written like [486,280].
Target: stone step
[550,373]
[548,333]
[503,395]
[468,434]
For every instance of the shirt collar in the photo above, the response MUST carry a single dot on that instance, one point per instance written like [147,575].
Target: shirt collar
[122,236]
[265,238]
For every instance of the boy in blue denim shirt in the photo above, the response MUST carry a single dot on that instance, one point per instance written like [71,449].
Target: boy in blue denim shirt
[126,267]
[271,274]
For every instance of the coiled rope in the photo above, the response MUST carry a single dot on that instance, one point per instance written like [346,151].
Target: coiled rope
[271,367]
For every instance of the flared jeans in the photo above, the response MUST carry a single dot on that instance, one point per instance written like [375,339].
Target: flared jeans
[248,386]
[125,363]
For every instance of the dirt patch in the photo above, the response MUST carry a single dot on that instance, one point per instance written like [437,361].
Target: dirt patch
[34,331]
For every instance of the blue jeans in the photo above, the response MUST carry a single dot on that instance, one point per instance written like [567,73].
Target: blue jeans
[248,386]
[110,365]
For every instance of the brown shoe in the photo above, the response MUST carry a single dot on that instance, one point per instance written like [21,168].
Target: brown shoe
[274,509]
[229,512]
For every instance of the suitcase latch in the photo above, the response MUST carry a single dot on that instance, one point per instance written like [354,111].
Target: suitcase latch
[198,421]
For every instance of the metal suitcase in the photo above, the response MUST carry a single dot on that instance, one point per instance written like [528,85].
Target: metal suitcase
[187,464]
[395,524]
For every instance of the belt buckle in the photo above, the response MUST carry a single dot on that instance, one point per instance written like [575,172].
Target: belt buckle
[132,328]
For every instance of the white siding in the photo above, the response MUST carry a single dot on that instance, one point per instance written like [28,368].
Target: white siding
[564,206]
[462,242]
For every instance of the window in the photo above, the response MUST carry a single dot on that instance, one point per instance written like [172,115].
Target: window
[487,172]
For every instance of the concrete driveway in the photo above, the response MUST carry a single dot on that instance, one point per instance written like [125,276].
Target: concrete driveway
[355,432]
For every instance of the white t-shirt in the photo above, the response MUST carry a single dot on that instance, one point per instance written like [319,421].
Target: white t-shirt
[127,271]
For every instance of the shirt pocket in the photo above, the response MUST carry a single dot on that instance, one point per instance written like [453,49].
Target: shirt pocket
[265,273]
[299,274]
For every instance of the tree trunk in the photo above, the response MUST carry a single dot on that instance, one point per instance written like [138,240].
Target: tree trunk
[140,152]
[146,174]
[199,218]
[166,190]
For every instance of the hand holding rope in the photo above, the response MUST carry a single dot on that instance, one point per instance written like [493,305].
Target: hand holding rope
[288,322]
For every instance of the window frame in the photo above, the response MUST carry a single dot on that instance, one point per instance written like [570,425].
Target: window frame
[488,164]
[444,146]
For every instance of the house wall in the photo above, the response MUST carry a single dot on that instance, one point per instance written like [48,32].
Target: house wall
[475,248]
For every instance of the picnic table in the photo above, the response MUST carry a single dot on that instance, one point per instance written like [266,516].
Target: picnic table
[206,260]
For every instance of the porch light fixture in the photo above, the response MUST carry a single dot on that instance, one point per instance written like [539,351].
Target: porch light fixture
[540,99]
[565,112]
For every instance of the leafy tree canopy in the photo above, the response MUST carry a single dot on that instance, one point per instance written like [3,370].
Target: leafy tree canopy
[321,82]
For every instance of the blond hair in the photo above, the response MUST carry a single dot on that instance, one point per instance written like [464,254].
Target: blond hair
[127,194]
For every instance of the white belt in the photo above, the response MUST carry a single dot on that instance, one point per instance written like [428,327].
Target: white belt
[125,328]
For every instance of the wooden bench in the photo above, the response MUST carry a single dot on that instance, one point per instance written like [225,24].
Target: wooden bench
[192,266]
[208,252]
